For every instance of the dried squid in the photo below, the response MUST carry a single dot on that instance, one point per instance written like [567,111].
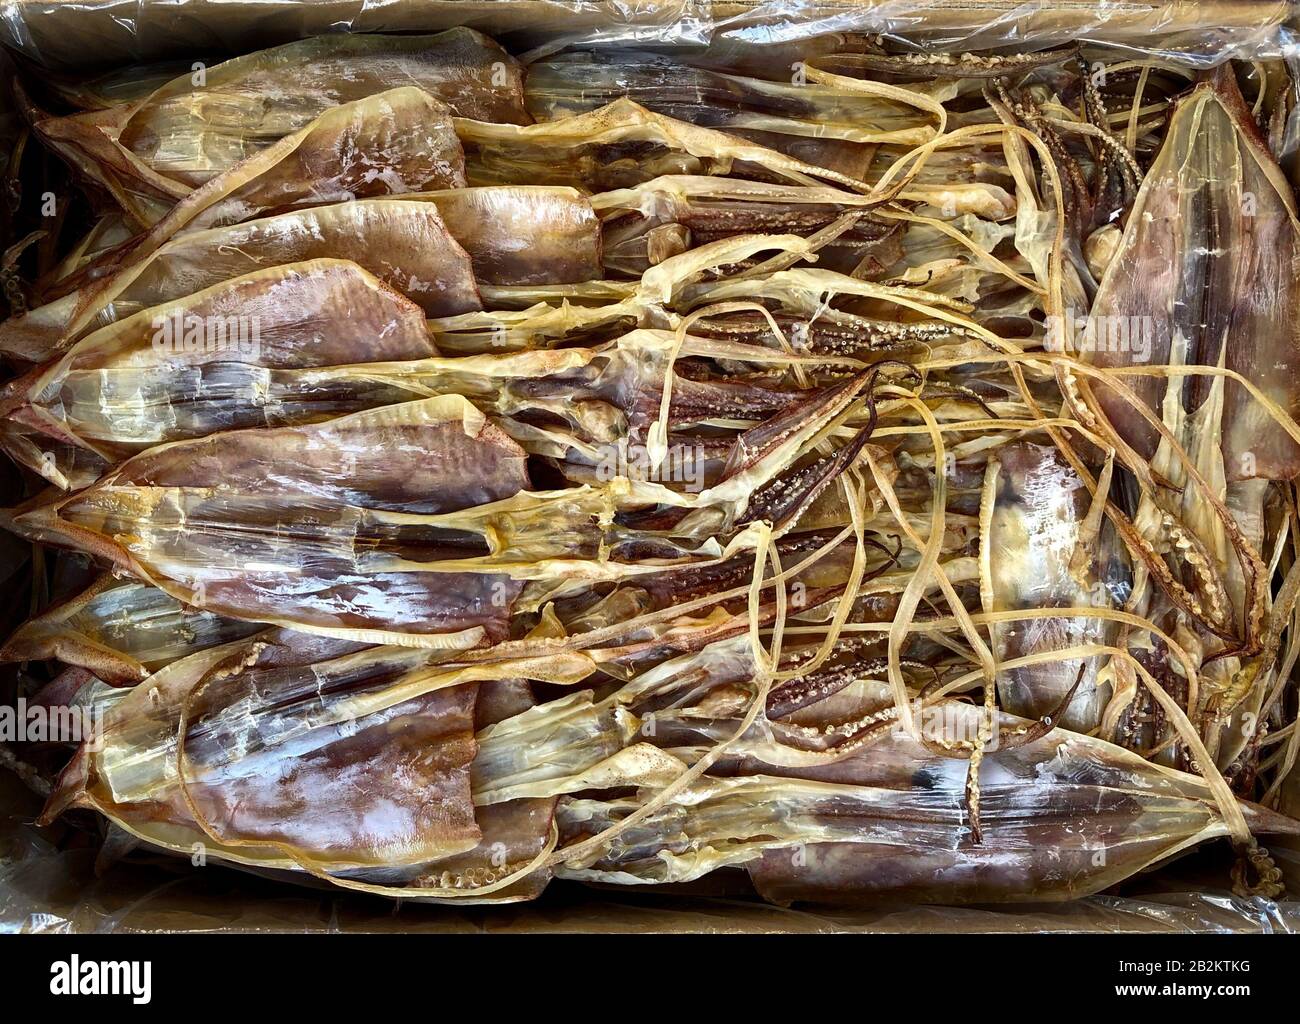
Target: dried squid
[870,478]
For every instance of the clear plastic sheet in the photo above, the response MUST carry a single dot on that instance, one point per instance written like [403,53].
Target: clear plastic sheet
[61,35]
[67,35]
[1195,31]
[52,881]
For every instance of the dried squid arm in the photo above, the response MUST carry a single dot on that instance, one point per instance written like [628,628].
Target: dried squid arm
[541,325]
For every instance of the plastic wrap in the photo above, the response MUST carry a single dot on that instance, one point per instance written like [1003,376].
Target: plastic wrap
[1194,31]
[60,35]
[66,35]
[289,260]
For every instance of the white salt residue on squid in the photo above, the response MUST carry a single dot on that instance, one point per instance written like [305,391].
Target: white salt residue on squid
[1032,532]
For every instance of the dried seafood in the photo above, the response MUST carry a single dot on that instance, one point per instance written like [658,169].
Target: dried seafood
[619,469]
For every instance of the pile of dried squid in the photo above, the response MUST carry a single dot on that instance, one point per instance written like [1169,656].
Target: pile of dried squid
[875,481]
